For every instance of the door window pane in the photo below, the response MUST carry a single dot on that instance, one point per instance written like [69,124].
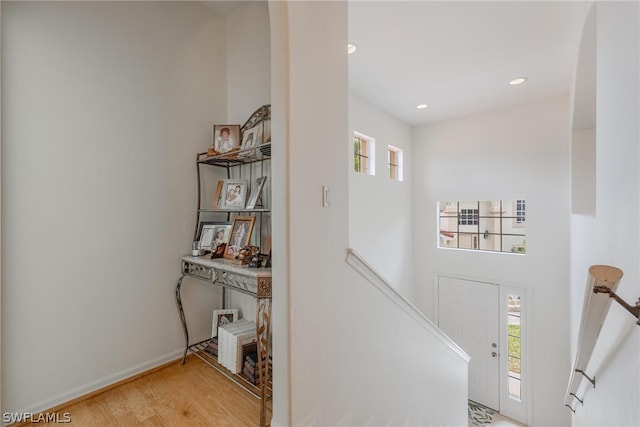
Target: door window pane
[514,340]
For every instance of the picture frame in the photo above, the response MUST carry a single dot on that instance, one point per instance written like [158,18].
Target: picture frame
[217,196]
[256,190]
[207,231]
[239,236]
[234,193]
[226,138]
[220,236]
[221,318]
[251,138]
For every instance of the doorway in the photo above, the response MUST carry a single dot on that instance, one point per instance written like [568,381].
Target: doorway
[489,321]
[469,314]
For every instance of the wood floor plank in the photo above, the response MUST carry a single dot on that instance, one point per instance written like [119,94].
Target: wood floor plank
[192,394]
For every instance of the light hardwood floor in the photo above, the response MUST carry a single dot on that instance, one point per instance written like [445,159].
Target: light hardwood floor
[192,394]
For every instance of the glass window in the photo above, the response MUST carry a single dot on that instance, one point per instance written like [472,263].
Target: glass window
[494,226]
[394,163]
[514,341]
[363,154]
[520,212]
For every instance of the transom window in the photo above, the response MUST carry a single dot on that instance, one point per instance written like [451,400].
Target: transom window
[394,163]
[494,226]
[363,154]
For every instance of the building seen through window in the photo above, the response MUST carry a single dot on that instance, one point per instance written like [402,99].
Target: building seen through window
[494,226]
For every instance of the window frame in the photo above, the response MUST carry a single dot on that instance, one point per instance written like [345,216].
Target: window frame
[365,158]
[396,165]
[460,225]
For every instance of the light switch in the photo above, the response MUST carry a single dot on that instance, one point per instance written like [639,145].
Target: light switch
[325,196]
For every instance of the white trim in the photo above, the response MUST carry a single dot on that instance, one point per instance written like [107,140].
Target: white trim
[92,386]
[366,271]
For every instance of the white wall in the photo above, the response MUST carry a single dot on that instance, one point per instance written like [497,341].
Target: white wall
[0,216]
[248,60]
[583,171]
[611,235]
[354,359]
[519,153]
[104,106]
[248,88]
[379,208]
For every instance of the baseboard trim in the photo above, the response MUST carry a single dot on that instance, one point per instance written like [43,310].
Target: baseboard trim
[101,385]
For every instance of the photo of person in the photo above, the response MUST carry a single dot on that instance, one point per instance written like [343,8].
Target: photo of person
[226,137]
[211,234]
[235,193]
[219,238]
[252,137]
[240,236]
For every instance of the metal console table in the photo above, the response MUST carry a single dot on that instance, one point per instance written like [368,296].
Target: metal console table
[251,281]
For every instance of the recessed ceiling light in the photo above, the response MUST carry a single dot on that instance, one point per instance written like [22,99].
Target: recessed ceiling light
[421,106]
[518,81]
[351,48]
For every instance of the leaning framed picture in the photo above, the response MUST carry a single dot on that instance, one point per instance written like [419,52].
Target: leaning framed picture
[239,236]
[220,235]
[256,190]
[206,230]
[217,196]
[252,137]
[234,193]
[221,318]
[226,137]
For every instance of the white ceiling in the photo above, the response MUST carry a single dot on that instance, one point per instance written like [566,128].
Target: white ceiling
[458,57]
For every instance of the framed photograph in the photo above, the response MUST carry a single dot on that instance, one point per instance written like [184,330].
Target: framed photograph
[218,201]
[208,232]
[240,235]
[205,235]
[220,235]
[226,137]
[234,193]
[252,137]
[221,318]
[256,190]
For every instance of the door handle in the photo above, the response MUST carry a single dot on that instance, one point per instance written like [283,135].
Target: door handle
[494,354]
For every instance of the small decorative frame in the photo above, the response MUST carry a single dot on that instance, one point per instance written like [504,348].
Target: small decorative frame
[234,193]
[217,197]
[221,318]
[206,233]
[226,137]
[252,137]
[256,190]
[220,235]
[240,235]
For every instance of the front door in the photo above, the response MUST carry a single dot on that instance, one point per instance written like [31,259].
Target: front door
[468,313]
